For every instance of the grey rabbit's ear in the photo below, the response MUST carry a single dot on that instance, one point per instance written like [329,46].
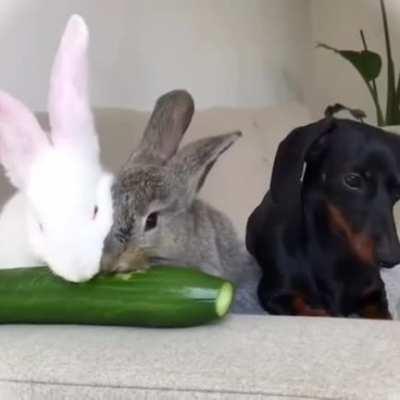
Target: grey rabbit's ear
[164,131]
[194,161]
[290,158]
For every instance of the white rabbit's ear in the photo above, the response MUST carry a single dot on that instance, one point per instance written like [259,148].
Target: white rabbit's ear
[70,116]
[164,131]
[21,139]
[194,161]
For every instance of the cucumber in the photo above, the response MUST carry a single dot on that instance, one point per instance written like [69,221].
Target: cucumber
[159,297]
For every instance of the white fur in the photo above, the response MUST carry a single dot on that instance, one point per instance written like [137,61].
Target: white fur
[15,250]
[52,219]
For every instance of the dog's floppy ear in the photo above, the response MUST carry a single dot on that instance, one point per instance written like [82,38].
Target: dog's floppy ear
[290,158]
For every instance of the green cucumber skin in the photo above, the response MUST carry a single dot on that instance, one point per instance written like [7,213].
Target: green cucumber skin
[159,297]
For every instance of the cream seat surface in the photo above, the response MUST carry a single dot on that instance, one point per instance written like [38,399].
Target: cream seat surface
[244,357]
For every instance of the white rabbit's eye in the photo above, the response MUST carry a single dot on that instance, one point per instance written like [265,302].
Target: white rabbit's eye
[151,221]
[95,211]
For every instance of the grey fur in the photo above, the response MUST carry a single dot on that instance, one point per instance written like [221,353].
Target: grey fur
[158,178]
[168,123]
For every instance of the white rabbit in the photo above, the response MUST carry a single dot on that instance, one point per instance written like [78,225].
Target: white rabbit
[63,209]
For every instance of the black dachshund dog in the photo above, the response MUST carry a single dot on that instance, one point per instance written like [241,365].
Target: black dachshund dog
[326,226]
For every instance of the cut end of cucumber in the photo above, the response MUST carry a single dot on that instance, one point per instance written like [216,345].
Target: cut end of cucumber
[224,299]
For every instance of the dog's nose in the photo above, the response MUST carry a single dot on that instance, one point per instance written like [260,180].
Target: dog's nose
[388,263]
[388,253]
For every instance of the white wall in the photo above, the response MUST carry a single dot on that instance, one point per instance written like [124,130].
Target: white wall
[227,52]
[338,23]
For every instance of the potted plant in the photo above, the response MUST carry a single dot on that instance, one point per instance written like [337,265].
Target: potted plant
[369,65]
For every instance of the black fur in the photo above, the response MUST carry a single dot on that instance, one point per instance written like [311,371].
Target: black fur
[321,237]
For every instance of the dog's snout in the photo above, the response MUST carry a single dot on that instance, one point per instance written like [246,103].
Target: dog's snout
[388,252]
[389,259]
[389,256]
[388,245]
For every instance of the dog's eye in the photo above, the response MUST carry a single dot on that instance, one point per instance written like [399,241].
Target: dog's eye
[353,181]
[151,221]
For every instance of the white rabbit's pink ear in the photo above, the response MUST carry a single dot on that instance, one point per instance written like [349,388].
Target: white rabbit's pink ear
[21,139]
[70,115]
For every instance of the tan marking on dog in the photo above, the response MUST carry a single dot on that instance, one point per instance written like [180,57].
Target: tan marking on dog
[374,311]
[303,309]
[360,244]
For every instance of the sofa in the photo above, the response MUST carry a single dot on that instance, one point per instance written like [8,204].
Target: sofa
[242,357]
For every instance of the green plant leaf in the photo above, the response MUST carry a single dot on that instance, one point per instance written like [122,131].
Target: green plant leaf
[367,63]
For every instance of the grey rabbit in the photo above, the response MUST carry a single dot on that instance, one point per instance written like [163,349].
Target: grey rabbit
[156,210]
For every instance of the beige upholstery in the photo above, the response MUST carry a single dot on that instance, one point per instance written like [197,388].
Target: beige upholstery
[244,358]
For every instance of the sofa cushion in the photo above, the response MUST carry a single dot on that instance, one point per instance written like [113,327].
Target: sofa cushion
[244,357]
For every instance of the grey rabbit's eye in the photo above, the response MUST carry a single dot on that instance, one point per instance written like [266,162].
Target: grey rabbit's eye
[151,221]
